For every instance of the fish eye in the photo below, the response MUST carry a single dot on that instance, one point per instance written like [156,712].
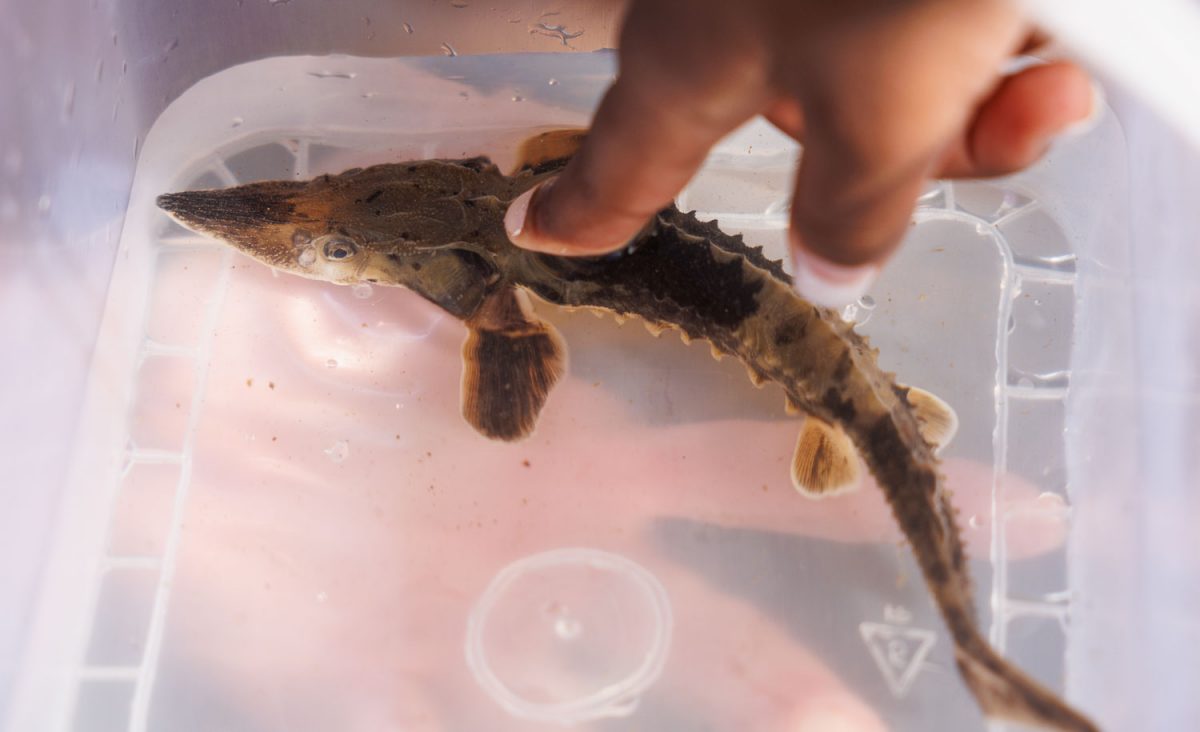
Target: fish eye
[338,249]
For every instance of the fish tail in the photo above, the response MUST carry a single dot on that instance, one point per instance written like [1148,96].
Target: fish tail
[915,490]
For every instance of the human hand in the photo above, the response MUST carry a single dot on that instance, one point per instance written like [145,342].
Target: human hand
[883,96]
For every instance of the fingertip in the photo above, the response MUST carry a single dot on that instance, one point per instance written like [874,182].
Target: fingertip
[520,223]
[1098,100]
[527,218]
[825,283]
[1029,109]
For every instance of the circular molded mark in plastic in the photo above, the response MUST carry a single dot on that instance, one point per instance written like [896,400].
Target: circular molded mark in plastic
[569,635]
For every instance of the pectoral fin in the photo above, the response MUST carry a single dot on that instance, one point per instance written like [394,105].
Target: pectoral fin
[938,421]
[825,462]
[511,360]
[549,151]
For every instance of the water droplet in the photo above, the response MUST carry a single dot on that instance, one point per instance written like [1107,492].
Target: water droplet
[307,258]
[518,98]
[362,290]
[322,596]
[974,522]
[236,122]
[407,28]
[448,50]
[338,451]
[331,363]
[553,82]
[567,628]
[43,204]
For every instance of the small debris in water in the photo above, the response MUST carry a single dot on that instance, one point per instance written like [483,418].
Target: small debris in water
[554,30]
[339,451]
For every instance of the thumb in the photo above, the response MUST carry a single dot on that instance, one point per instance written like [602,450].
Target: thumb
[651,132]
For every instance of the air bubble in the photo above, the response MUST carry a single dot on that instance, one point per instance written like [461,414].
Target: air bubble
[518,98]
[975,522]
[236,122]
[553,82]
[362,290]
[448,50]
[338,451]
[866,302]
[307,258]
[407,28]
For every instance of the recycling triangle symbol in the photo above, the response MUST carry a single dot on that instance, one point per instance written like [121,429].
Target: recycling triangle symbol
[899,652]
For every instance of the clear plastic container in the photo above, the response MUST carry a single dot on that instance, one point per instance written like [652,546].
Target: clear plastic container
[289,526]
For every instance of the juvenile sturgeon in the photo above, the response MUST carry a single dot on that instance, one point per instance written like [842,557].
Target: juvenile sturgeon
[436,227]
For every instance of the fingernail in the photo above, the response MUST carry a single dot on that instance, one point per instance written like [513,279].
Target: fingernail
[518,223]
[518,211]
[827,284]
[1088,123]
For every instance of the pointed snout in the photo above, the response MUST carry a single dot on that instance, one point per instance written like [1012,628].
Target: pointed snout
[228,211]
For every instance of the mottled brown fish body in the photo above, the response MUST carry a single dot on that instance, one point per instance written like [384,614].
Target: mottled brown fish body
[436,227]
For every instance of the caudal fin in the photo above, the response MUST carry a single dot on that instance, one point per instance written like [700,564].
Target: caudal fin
[1004,692]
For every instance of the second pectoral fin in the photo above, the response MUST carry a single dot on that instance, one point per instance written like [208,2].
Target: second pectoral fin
[825,462]
[511,361]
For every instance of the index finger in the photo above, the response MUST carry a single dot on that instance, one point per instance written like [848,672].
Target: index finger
[651,132]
